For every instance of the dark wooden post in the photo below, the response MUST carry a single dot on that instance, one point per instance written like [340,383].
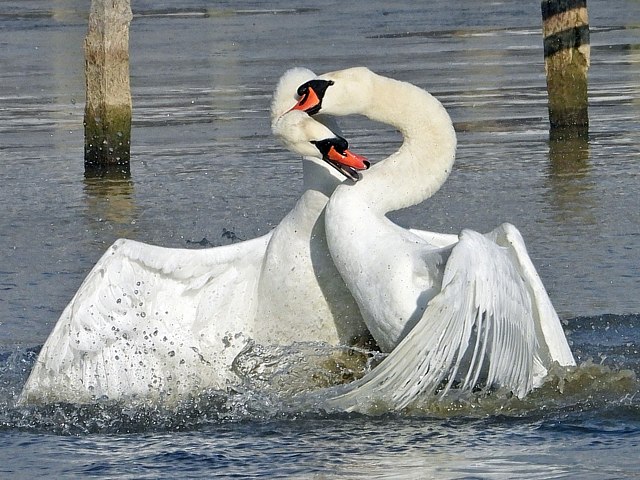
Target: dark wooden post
[566,61]
[107,115]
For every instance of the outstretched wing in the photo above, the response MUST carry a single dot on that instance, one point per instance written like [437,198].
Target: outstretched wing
[553,345]
[479,330]
[150,320]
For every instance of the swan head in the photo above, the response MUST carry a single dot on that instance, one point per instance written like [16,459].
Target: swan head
[284,96]
[344,92]
[304,135]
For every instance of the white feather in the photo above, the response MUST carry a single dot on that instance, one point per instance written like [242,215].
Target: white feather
[150,321]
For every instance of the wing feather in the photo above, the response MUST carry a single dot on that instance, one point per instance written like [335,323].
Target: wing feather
[434,238]
[552,340]
[479,327]
[143,320]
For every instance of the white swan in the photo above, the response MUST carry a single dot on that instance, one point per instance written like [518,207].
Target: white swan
[474,311]
[158,322]
[301,294]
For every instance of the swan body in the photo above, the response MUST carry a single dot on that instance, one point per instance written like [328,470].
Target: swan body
[154,322]
[468,310]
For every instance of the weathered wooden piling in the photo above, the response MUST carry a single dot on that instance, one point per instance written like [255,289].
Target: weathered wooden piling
[107,115]
[566,61]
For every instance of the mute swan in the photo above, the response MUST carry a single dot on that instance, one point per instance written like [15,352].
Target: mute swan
[301,294]
[470,311]
[158,322]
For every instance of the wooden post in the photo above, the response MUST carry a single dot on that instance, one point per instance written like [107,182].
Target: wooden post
[566,61]
[107,115]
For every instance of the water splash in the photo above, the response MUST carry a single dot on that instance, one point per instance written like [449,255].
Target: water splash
[279,383]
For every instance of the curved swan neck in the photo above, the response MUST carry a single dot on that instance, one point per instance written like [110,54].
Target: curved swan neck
[423,162]
[319,176]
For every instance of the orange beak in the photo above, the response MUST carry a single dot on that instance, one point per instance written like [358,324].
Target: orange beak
[348,159]
[308,101]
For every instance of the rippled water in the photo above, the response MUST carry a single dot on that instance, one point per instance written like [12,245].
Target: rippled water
[204,166]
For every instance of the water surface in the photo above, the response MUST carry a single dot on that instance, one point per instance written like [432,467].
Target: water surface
[204,166]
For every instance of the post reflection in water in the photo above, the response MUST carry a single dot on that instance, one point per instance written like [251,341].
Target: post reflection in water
[569,176]
[109,198]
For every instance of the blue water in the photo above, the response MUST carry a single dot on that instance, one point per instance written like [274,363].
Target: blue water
[204,163]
